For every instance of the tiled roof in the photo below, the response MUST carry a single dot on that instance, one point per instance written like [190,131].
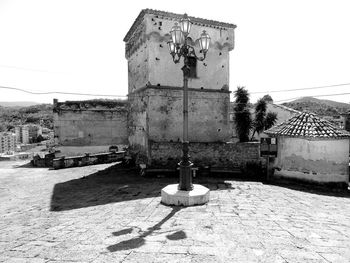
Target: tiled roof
[307,124]
[201,21]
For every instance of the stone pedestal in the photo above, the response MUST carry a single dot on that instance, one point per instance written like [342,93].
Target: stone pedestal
[172,196]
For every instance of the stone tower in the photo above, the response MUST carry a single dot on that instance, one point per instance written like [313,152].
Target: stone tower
[155,82]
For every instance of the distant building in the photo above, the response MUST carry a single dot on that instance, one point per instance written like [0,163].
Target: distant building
[27,133]
[7,142]
[18,133]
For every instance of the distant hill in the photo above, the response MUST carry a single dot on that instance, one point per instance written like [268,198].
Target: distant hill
[17,103]
[37,114]
[320,107]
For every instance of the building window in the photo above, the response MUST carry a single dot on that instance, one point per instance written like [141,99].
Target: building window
[192,61]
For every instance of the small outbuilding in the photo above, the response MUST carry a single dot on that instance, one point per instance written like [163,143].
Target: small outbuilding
[311,149]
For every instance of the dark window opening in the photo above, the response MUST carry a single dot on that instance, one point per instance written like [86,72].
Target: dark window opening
[192,62]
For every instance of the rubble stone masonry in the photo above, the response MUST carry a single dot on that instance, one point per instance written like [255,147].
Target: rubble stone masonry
[216,154]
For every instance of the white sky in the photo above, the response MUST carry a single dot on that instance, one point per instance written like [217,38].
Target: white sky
[77,45]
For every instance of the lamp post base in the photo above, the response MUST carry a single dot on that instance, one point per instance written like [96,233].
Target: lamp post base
[171,195]
[185,182]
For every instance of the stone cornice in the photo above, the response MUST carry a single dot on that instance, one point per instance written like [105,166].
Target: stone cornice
[91,105]
[196,20]
[177,89]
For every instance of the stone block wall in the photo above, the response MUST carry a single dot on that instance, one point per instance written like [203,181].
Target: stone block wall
[207,110]
[156,114]
[91,123]
[215,154]
[138,125]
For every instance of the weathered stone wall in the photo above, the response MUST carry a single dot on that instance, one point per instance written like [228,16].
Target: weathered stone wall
[138,61]
[207,112]
[156,115]
[150,63]
[89,125]
[216,154]
[138,125]
[313,160]
[213,73]
[156,82]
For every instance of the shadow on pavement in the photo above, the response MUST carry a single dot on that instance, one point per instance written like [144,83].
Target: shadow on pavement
[123,232]
[177,235]
[116,184]
[137,242]
[312,188]
[26,165]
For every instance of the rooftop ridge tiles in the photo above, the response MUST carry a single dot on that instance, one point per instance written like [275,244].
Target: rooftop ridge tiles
[307,124]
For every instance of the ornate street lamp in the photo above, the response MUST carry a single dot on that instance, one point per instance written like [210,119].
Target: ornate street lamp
[179,47]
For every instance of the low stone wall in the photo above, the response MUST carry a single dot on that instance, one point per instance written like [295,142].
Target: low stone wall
[81,150]
[38,161]
[215,154]
[87,159]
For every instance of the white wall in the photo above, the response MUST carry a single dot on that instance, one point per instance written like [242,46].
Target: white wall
[313,160]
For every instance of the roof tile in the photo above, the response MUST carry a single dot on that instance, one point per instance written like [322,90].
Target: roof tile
[307,124]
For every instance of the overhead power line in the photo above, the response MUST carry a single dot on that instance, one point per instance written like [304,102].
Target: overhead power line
[319,87]
[60,92]
[315,96]
[125,96]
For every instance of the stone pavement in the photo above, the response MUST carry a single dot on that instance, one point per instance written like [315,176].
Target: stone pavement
[105,214]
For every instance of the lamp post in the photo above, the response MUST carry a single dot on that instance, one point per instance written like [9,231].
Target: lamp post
[179,47]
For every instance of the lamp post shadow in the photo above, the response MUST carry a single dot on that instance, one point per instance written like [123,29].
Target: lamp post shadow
[140,240]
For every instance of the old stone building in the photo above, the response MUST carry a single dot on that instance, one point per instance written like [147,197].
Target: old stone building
[90,125]
[155,83]
[151,122]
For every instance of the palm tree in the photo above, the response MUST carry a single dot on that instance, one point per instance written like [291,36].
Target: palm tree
[270,120]
[267,98]
[262,120]
[243,121]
